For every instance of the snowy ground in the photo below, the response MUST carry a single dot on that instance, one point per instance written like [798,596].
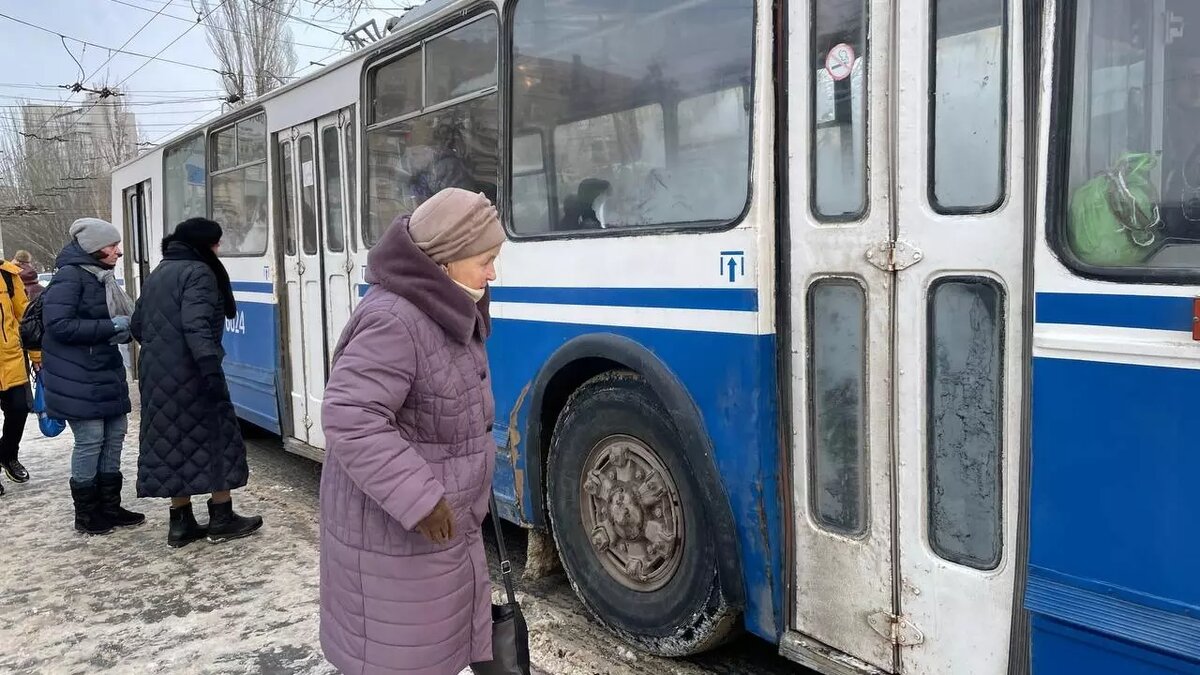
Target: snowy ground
[127,603]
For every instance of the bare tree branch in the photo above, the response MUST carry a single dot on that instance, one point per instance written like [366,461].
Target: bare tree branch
[351,7]
[253,43]
[343,7]
[47,184]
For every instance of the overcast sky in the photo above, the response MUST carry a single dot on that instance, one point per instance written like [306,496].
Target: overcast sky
[33,63]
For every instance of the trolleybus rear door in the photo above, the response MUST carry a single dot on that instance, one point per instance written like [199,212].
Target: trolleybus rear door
[304,281]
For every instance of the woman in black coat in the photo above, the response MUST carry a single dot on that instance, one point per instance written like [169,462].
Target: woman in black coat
[190,442]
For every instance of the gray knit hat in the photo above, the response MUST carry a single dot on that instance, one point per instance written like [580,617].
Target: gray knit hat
[94,234]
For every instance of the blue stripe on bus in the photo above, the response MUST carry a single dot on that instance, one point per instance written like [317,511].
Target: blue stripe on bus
[1119,311]
[253,286]
[726,299]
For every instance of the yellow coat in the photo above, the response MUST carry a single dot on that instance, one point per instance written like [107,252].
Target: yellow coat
[13,369]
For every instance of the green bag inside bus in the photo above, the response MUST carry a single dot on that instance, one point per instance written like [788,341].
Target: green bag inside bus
[1113,216]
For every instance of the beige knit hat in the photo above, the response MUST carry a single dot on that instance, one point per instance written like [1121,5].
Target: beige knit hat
[455,224]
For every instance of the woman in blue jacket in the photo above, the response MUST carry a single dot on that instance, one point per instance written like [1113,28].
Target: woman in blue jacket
[86,314]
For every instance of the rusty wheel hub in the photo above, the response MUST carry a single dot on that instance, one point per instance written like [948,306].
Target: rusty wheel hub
[630,507]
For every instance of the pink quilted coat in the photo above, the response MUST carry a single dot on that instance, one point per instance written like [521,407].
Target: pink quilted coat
[408,417]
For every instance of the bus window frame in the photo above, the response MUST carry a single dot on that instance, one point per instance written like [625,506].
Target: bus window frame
[1002,385]
[505,79]
[1006,82]
[864,213]
[1059,167]
[369,84]
[201,133]
[546,144]
[351,126]
[209,147]
[404,47]
[132,229]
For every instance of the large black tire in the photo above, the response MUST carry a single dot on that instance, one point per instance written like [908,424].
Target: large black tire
[688,614]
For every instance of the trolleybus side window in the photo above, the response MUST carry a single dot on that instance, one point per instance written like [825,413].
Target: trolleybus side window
[966,418]
[837,401]
[184,181]
[239,186]
[966,105]
[1131,200]
[352,181]
[839,114]
[461,62]
[308,197]
[646,108]
[416,143]
[134,217]
[396,88]
[331,193]
[287,197]
[531,193]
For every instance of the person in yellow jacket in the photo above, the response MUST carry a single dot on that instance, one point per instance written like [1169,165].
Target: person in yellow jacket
[14,372]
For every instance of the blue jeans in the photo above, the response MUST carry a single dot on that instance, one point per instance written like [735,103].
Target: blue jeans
[97,447]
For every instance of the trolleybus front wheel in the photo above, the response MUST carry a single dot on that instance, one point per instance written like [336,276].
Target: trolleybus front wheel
[628,516]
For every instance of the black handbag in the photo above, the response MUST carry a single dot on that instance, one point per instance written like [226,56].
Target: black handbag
[31,329]
[510,635]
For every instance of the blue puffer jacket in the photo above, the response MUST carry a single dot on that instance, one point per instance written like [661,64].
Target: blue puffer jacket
[83,374]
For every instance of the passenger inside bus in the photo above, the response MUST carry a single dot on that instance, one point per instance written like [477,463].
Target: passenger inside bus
[452,159]
[1180,204]
[446,170]
[585,209]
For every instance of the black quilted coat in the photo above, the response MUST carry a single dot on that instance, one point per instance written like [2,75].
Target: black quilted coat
[190,440]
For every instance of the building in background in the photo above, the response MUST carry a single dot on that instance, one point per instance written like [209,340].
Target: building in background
[55,168]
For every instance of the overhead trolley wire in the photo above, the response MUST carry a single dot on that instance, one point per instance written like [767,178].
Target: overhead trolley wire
[112,49]
[149,60]
[222,28]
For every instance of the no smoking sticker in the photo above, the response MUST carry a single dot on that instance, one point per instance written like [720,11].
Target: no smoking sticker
[839,61]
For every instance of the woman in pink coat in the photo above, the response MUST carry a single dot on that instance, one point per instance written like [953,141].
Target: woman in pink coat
[408,418]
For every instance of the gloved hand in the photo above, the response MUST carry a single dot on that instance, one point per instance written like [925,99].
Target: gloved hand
[122,336]
[214,377]
[215,383]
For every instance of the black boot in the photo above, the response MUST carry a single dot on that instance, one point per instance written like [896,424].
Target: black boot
[16,471]
[184,528]
[224,524]
[109,485]
[89,519]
